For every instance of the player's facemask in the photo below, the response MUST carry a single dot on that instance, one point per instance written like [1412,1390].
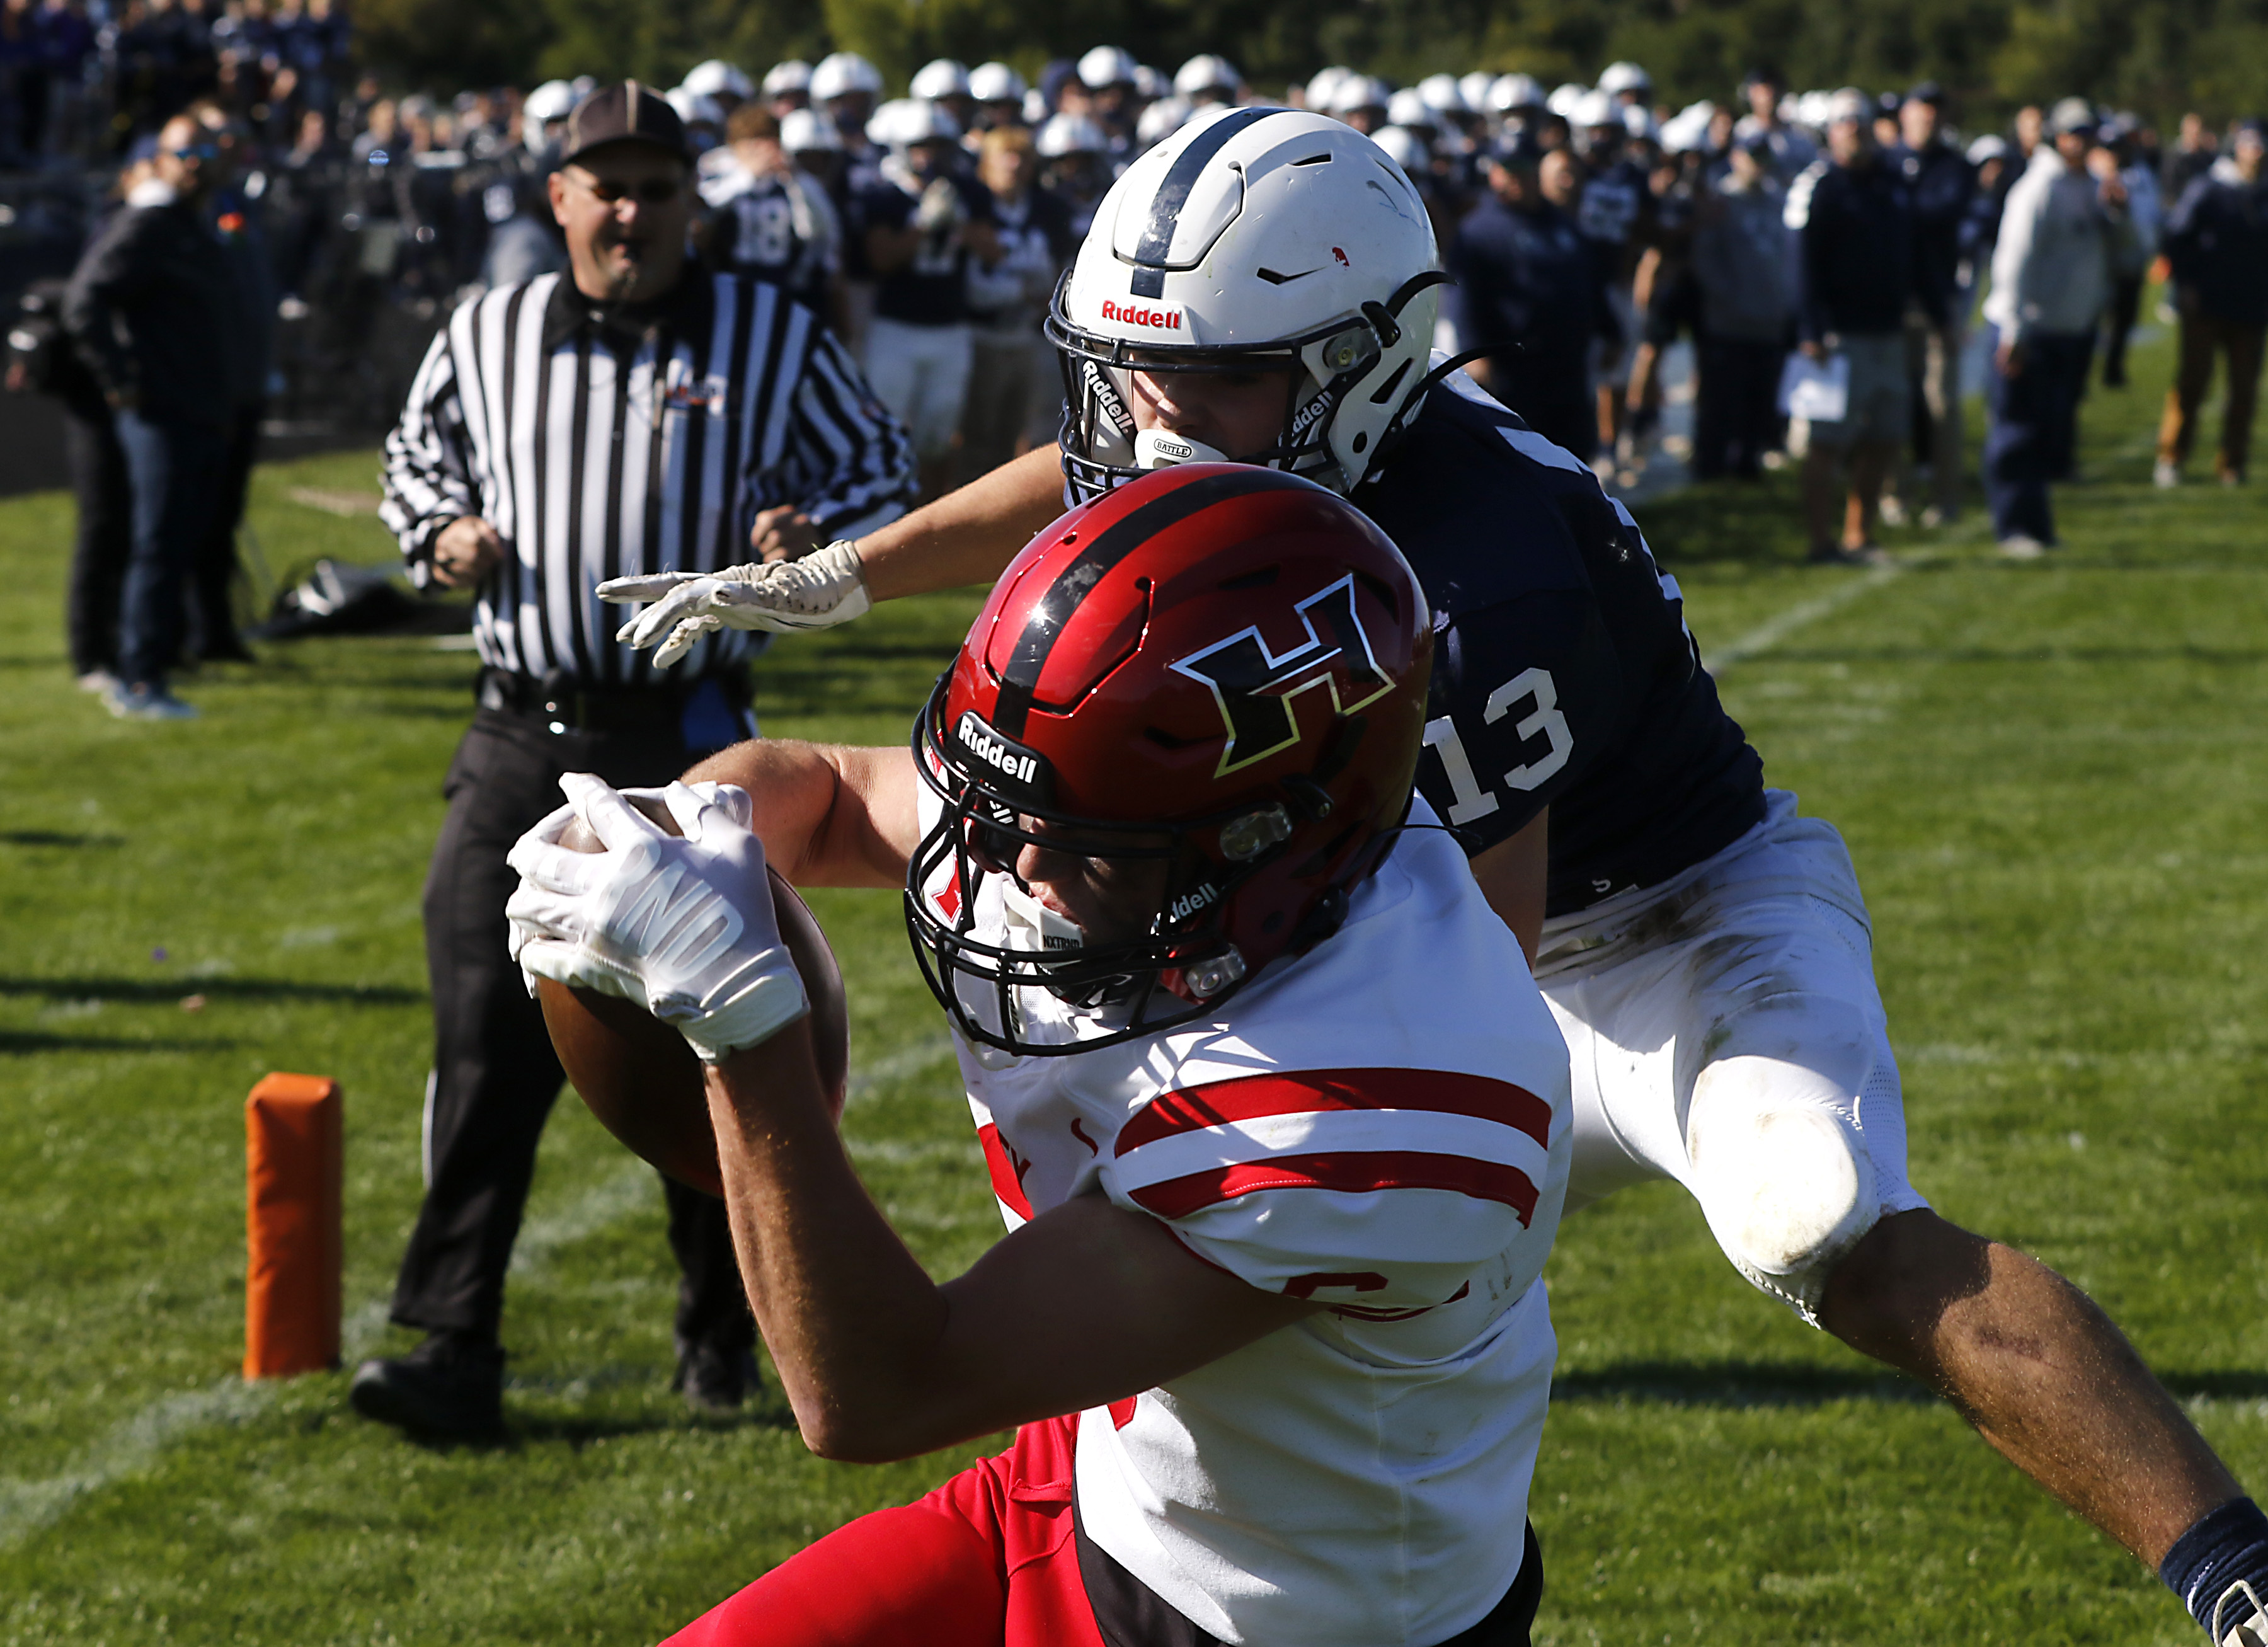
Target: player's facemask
[1179,965]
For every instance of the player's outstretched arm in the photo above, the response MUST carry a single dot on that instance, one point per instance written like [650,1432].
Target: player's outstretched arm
[967,536]
[1086,1304]
[827,814]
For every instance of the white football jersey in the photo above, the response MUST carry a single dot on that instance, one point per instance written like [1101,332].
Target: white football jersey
[1381,1124]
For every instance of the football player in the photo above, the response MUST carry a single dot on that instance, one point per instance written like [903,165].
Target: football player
[1275,1116]
[1262,286]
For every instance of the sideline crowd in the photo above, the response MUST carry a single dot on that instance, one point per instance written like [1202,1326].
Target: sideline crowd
[1824,251]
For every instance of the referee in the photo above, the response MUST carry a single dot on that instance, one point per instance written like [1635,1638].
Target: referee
[630,416]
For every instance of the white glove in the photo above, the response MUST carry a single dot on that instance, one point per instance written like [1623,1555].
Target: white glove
[940,209]
[682,926]
[824,588]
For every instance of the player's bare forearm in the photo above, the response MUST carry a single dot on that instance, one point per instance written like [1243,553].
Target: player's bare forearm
[1086,1304]
[966,536]
[1514,876]
[829,814]
[2039,1370]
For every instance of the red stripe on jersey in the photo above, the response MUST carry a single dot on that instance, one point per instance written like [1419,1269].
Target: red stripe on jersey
[1349,1171]
[1305,1090]
[1007,1171]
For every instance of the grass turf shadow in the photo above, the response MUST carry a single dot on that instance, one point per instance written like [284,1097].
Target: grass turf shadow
[164,991]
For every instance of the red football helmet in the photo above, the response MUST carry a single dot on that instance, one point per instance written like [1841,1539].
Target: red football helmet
[1218,666]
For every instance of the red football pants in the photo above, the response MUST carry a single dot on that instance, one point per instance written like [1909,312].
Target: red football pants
[987,1560]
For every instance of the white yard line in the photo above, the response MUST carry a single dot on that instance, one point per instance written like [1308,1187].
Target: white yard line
[1772,630]
[134,1444]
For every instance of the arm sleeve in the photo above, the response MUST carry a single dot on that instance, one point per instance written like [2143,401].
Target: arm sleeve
[1812,322]
[2012,256]
[849,464]
[1380,1191]
[107,276]
[428,475]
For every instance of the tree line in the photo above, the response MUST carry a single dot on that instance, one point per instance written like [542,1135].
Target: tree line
[2158,57]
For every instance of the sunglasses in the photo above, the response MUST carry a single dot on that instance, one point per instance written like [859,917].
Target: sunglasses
[196,151]
[655,191]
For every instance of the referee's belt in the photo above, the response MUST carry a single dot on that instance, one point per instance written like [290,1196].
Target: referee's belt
[564,703]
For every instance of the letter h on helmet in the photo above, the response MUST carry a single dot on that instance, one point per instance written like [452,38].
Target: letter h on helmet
[1217,668]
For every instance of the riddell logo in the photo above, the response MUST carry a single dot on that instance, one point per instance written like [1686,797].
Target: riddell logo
[1127,314]
[996,752]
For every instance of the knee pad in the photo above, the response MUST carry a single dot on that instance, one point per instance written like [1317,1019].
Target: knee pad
[1782,1172]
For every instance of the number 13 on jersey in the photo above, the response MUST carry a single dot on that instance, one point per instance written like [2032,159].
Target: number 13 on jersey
[1469,800]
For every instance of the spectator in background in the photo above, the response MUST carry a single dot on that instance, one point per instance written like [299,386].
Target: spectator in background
[1075,165]
[2195,150]
[2060,232]
[925,224]
[1013,372]
[43,361]
[153,307]
[2146,212]
[66,39]
[999,92]
[1789,150]
[2217,243]
[1527,288]
[1942,190]
[523,241]
[1856,277]
[774,222]
[2030,122]
[1989,156]
[234,215]
[787,87]
[1740,262]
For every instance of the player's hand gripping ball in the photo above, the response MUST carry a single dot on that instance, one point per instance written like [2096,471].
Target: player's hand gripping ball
[624,1023]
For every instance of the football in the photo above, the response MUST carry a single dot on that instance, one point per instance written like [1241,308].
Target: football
[637,1075]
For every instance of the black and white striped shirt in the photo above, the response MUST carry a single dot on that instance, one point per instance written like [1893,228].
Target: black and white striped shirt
[599,446]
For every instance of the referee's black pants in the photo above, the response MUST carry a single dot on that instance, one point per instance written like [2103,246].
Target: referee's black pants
[495,1076]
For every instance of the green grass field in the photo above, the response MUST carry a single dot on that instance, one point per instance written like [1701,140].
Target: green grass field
[2052,777]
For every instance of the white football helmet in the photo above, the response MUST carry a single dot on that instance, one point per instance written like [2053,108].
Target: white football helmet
[1208,73]
[785,79]
[1475,86]
[843,72]
[943,78]
[804,131]
[1161,120]
[1105,66]
[1563,98]
[996,83]
[1619,79]
[1325,85]
[1406,148]
[1358,92]
[1064,135]
[1443,95]
[1252,238]
[1408,108]
[1513,93]
[718,78]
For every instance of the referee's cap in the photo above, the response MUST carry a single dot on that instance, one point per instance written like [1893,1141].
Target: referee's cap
[626,111]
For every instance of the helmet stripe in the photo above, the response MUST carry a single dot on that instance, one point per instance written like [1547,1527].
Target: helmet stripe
[1166,205]
[1020,679]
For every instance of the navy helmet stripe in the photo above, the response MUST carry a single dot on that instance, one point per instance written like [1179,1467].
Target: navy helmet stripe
[1150,256]
[1020,679]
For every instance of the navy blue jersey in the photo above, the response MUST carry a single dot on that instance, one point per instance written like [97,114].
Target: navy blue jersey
[1563,673]
[932,289]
